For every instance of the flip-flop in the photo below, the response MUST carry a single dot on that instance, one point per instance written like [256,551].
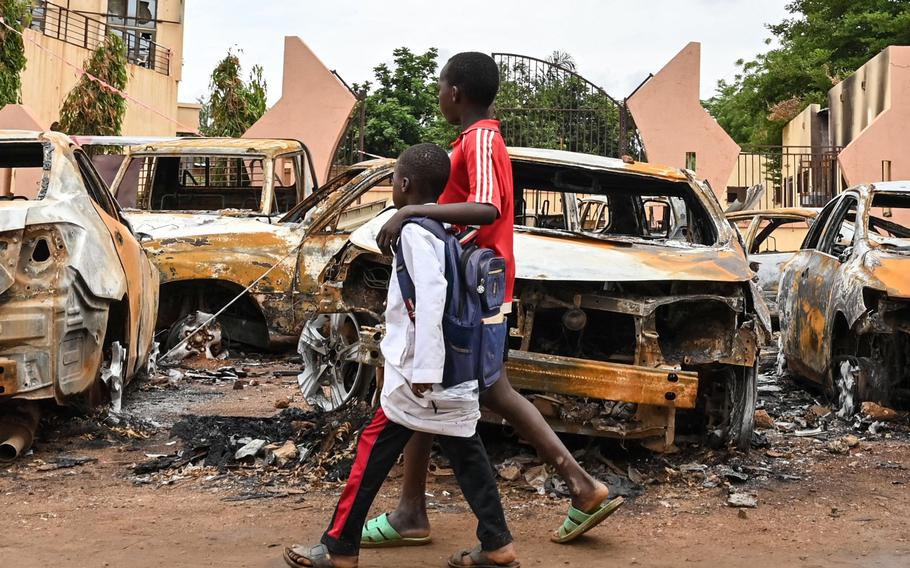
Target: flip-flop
[318,556]
[578,522]
[479,559]
[379,533]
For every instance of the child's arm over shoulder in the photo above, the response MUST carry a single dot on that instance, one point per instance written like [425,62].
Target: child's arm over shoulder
[484,201]
[419,250]
[453,213]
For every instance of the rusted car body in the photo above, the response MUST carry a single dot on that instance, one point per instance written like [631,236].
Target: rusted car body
[845,298]
[75,286]
[205,207]
[616,325]
[771,237]
[207,256]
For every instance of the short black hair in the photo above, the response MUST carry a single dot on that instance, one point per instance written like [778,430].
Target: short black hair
[427,167]
[475,74]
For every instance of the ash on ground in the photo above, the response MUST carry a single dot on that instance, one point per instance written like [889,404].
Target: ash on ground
[297,445]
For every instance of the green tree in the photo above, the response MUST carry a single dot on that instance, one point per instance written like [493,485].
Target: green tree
[233,105]
[402,105]
[12,52]
[823,42]
[91,108]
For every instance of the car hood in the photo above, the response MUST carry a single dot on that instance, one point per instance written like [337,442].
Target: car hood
[890,272]
[162,226]
[575,257]
[209,246]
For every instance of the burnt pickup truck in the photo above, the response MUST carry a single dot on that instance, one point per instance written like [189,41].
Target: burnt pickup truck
[241,223]
[636,313]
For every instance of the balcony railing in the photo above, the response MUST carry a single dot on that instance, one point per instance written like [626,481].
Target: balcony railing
[89,32]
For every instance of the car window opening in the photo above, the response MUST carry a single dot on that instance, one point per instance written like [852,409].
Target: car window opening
[610,204]
[22,171]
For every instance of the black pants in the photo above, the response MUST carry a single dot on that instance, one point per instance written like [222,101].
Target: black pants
[379,447]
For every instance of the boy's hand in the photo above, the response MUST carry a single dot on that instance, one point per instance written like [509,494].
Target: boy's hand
[419,388]
[389,233]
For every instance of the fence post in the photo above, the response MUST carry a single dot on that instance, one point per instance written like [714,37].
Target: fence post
[85,34]
[363,121]
[623,129]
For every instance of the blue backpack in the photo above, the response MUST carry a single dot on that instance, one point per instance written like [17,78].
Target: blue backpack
[476,289]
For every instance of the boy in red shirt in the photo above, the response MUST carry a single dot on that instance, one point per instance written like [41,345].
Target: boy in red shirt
[480,192]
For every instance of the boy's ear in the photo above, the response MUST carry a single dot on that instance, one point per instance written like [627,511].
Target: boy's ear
[405,184]
[456,94]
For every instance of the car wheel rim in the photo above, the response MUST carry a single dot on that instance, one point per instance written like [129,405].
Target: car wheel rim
[330,346]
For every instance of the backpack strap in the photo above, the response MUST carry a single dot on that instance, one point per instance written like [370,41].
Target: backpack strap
[405,282]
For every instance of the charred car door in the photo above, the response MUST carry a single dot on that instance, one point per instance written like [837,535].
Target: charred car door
[142,281]
[808,284]
[329,216]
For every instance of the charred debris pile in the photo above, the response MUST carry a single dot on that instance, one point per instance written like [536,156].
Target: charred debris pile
[295,443]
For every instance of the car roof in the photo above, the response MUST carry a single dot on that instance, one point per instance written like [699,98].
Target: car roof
[595,162]
[807,212]
[575,159]
[900,186]
[270,147]
[36,136]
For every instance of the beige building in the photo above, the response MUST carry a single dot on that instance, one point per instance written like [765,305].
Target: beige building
[64,34]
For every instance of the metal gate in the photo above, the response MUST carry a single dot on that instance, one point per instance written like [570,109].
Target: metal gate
[793,176]
[542,104]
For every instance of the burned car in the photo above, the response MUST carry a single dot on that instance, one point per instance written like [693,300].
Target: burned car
[207,211]
[77,292]
[845,298]
[772,237]
[232,176]
[635,311]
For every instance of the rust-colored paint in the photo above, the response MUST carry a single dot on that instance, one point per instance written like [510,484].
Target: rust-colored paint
[601,380]
[67,263]
[9,377]
[657,377]
[832,300]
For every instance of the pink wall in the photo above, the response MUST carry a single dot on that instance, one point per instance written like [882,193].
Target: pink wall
[886,137]
[314,106]
[668,113]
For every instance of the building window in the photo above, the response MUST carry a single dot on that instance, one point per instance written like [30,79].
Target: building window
[690,161]
[134,21]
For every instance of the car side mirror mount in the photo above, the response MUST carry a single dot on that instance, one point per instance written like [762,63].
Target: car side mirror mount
[845,256]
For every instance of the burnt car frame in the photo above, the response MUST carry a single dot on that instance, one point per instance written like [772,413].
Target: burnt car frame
[772,237]
[76,288]
[262,267]
[614,329]
[845,298]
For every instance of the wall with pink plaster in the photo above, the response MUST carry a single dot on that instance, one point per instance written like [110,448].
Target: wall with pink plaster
[314,106]
[886,136]
[672,122]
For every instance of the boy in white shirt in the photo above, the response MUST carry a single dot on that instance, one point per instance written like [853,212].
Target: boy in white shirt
[412,395]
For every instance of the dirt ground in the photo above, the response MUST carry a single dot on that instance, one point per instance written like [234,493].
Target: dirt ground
[818,504]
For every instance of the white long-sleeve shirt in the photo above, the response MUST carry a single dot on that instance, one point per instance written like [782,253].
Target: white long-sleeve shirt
[414,351]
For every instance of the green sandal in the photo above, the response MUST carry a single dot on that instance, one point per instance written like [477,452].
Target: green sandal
[578,522]
[379,533]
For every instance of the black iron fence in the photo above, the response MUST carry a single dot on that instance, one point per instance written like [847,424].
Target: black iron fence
[792,176]
[544,104]
[87,31]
